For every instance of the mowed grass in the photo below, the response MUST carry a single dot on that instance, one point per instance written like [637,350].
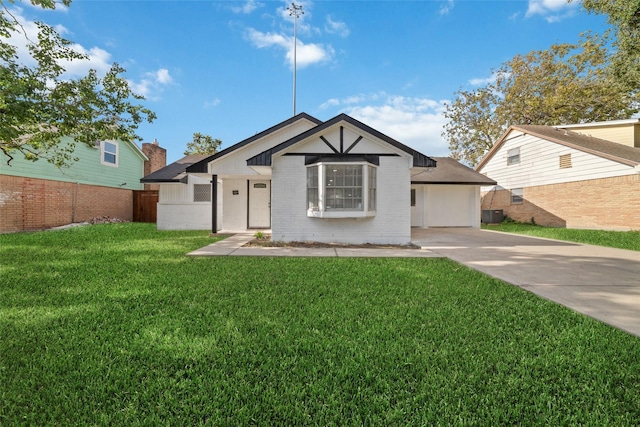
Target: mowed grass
[614,239]
[112,325]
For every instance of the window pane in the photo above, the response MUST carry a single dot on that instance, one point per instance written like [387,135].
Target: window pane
[312,188]
[372,188]
[110,158]
[513,156]
[517,196]
[343,187]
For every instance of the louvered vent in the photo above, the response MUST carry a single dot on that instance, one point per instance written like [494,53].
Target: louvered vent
[565,161]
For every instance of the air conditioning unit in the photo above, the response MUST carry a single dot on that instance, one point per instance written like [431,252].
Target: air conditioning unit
[492,216]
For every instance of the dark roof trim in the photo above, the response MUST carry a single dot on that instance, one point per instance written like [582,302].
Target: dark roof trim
[182,180]
[482,184]
[202,166]
[311,159]
[264,158]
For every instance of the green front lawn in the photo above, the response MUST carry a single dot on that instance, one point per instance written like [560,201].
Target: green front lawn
[112,325]
[615,239]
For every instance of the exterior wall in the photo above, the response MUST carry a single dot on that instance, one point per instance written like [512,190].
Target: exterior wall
[391,224]
[87,170]
[157,160]
[540,164]
[234,206]
[235,163]
[608,203]
[178,211]
[35,204]
[184,217]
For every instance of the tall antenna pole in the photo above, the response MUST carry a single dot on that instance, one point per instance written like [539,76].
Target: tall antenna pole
[295,11]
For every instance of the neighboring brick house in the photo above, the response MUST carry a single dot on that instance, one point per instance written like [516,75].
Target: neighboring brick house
[574,176]
[37,195]
[308,180]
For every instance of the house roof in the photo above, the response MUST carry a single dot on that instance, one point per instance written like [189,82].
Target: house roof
[175,172]
[202,165]
[596,146]
[449,171]
[264,158]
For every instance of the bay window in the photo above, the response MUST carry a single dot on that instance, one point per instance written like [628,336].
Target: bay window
[341,190]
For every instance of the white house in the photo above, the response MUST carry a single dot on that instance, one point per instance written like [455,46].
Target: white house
[576,176]
[307,180]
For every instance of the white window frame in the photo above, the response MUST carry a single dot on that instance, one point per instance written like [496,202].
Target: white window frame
[513,156]
[103,152]
[367,207]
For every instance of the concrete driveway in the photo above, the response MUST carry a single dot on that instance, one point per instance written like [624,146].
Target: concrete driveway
[603,283]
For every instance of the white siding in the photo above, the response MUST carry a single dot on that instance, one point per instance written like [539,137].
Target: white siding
[391,224]
[539,164]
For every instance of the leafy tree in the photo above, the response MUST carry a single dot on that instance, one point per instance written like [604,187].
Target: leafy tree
[202,144]
[567,83]
[39,106]
[624,16]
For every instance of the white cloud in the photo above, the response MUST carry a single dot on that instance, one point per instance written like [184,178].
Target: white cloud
[212,103]
[336,27]
[416,122]
[248,7]
[97,58]
[481,81]
[152,83]
[446,7]
[306,54]
[552,10]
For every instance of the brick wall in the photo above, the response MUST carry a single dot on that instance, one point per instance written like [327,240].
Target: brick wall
[157,160]
[608,203]
[34,204]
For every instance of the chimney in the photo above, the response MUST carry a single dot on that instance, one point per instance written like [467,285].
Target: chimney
[157,160]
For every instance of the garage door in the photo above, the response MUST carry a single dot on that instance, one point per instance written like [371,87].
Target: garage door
[450,205]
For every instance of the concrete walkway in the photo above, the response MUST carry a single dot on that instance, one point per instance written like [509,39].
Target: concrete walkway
[233,246]
[601,282]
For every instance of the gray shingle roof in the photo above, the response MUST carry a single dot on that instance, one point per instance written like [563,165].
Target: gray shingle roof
[449,171]
[175,172]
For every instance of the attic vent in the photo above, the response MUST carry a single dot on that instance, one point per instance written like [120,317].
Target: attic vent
[565,161]
[201,192]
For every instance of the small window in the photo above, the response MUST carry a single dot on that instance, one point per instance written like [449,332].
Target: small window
[516,196]
[201,192]
[513,156]
[109,152]
[413,197]
[565,161]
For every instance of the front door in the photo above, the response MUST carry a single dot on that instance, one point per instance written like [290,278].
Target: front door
[259,204]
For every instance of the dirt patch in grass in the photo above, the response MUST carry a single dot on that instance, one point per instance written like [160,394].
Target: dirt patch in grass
[266,242]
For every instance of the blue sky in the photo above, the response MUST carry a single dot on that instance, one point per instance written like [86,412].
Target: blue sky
[224,68]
